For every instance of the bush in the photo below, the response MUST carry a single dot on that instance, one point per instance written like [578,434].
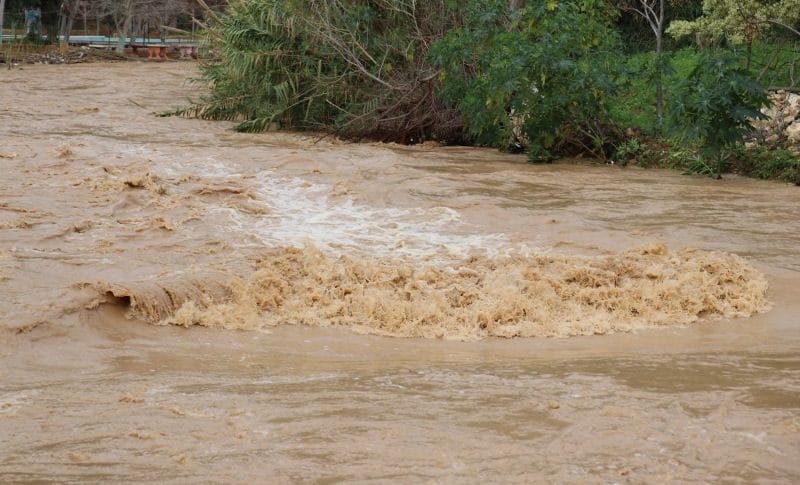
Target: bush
[634,105]
[658,153]
[539,76]
[714,106]
[767,164]
[631,150]
[354,67]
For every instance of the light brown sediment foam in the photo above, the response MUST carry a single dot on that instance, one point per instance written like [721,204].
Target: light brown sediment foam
[157,299]
[520,296]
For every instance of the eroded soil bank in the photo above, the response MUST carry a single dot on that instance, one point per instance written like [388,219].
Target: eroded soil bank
[118,229]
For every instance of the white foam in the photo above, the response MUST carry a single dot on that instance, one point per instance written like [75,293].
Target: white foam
[208,167]
[300,211]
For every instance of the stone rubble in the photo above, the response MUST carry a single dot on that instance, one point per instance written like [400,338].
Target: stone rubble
[781,128]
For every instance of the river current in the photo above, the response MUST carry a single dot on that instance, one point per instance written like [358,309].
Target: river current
[180,302]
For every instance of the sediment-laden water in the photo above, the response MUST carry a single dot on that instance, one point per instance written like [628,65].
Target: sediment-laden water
[181,302]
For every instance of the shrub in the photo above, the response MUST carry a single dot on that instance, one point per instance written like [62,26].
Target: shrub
[714,106]
[767,164]
[629,150]
[540,75]
[354,67]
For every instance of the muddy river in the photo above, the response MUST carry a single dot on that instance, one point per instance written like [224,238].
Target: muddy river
[180,302]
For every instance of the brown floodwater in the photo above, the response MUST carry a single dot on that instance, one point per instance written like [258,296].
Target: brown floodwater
[180,302]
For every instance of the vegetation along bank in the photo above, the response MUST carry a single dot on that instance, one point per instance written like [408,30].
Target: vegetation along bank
[673,83]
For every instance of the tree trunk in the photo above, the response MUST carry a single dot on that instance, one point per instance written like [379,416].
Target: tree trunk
[2,11]
[70,23]
[67,19]
[62,23]
[124,32]
[749,54]
[659,83]
[660,65]
[49,19]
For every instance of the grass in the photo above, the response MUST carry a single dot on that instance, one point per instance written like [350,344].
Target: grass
[757,162]
[16,51]
[776,65]
[760,163]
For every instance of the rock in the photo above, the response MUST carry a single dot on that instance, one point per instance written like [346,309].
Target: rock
[782,119]
[633,132]
[793,132]
[761,125]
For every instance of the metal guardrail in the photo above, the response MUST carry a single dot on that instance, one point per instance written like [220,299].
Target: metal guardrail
[95,39]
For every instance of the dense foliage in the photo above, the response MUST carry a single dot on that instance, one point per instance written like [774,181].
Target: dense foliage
[354,67]
[551,77]
[714,106]
[541,75]
[738,21]
[362,69]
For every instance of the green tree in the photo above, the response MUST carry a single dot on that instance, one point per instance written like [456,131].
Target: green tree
[739,21]
[542,71]
[652,11]
[714,106]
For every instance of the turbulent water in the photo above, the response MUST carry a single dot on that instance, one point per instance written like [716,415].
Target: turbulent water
[121,234]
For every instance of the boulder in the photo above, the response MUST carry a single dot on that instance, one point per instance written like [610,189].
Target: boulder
[793,132]
[781,127]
